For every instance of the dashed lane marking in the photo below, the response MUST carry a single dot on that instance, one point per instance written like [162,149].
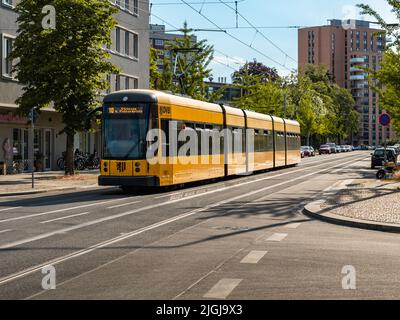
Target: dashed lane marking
[277,237]
[293,225]
[254,257]
[222,289]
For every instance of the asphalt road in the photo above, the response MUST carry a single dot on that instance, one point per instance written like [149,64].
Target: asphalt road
[243,238]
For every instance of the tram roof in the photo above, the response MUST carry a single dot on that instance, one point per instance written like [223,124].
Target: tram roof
[153,96]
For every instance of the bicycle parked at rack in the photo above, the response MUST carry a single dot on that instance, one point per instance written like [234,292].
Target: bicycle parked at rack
[82,161]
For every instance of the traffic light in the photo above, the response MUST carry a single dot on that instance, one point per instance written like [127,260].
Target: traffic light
[33,115]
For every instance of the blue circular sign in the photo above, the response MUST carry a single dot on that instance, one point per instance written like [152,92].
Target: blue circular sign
[384,119]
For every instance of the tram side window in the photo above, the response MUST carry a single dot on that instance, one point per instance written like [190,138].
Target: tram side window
[280,141]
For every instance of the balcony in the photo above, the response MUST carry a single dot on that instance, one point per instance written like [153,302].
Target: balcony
[359,86]
[358,77]
[358,60]
[354,69]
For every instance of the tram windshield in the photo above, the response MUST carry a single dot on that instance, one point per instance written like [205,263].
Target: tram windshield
[125,129]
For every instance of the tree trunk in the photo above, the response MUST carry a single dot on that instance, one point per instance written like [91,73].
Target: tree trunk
[69,157]
[308,139]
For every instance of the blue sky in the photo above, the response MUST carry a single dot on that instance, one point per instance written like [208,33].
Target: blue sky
[259,13]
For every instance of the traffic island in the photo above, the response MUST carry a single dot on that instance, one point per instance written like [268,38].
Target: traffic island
[370,205]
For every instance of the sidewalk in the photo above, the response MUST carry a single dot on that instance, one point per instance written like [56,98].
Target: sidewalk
[21,184]
[362,203]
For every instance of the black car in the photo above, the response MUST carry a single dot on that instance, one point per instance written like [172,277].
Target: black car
[378,157]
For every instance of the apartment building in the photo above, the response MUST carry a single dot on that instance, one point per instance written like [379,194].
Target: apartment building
[344,47]
[129,51]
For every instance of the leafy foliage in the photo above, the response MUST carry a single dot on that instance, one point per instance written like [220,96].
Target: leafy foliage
[192,66]
[254,68]
[386,80]
[66,66]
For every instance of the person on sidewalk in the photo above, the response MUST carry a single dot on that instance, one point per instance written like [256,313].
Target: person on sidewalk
[7,149]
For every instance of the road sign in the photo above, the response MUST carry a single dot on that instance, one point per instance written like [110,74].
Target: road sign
[384,119]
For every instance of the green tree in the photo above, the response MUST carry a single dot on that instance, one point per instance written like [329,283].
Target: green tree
[66,66]
[160,80]
[386,80]
[255,68]
[259,95]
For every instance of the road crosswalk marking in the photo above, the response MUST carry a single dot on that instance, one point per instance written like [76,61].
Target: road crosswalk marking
[254,257]
[222,289]
[277,237]
[293,225]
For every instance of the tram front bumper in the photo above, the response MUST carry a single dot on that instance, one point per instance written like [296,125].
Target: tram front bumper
[129,181]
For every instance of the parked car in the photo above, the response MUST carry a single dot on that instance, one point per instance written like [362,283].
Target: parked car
[308,151]
[378,156]
[332,146]
[325,149]
[397,148]
[338,149]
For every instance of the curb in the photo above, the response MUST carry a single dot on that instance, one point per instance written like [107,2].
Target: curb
[314,210]
[23,193]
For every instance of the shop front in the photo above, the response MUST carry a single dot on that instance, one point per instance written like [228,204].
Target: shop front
[16,136]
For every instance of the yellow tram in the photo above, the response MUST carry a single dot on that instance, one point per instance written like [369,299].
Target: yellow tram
[145,131]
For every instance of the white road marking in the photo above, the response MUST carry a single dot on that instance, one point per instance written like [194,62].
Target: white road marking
[243,183]
[4,231]
[156,225]
[82,252]
[293,225]
[61,210]
[180,198]
[123,205]
[254,257]
[8,209]
[277,237]
[62,218]
[222,289]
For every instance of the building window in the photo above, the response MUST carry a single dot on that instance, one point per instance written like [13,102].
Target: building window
[131,6]
[159,42]
[127,43]
[117,83]
[118,39]
[127,83]
[135,46]
[130,82]
[7,44]
[109,82]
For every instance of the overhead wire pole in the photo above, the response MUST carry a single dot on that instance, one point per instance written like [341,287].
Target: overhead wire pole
[257,29]
[236,38]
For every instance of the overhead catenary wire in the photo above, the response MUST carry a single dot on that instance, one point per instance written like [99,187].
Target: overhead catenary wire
[239,62]
[236,38]
[257,30]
